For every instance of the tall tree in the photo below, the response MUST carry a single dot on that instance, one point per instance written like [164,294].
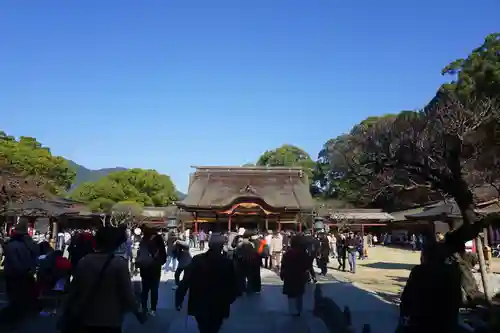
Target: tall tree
[290,156]
[437,148]
[144,187]
[478,75]
[27,157]
[29,172]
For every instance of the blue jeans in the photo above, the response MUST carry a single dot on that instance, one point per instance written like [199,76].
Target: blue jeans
[352,260]
[171,261]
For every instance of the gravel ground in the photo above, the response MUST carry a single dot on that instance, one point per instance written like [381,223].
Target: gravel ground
[386,270]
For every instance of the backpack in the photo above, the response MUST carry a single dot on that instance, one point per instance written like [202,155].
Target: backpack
[144,257]
[262,248]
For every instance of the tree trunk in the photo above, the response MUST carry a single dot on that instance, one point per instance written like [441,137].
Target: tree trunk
[464,199]
[482,267]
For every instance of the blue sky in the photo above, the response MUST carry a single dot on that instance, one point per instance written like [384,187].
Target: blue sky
[170,84]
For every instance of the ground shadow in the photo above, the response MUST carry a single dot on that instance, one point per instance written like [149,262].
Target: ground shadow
[400,279]
[264,312]
[365,307]
[389,265]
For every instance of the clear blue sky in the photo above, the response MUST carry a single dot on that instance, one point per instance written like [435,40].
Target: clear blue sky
[169,84]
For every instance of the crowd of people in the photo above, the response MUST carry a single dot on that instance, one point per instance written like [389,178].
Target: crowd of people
[94,270]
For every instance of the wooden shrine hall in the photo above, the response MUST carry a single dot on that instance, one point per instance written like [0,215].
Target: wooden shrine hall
[264,198]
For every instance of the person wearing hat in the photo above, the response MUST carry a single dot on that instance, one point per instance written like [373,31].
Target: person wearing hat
[211,281]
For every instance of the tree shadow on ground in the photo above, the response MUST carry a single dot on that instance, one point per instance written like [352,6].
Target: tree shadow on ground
[390,265]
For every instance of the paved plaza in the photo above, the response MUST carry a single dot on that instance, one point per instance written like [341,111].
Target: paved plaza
[265,312]
[371,294]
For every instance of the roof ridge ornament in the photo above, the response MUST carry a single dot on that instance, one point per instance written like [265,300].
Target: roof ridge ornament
[248,189]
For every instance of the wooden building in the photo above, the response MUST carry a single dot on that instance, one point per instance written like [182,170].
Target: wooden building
[168,217]
[267,198]
[438,216]
[356,219]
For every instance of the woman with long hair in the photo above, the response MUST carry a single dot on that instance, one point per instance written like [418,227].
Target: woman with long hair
[150,258]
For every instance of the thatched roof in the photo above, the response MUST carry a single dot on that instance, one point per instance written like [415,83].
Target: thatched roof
[278,188]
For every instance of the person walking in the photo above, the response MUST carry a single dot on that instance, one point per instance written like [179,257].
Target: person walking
[341,251]
[150,258]
[211,282]
[352,245]
[170,246]
[295,268]
[323,254]
[202,238]
[276,249]
[101,290]
[184,258]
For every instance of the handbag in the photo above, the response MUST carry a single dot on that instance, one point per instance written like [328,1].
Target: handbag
[71,319]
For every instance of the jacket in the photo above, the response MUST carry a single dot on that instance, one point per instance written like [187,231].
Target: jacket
[276,245]
[111,300]
[211,281]
[21,255]
[183,255]
[230,241]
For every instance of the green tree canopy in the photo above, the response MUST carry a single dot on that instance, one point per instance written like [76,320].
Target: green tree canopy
[144,187]
[478,75]
[27,157]
[288,156]
[291,156]
[354,166]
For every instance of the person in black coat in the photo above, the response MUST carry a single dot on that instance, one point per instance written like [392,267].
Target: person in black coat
[295,270]
[248,261]
[152,247]
[211,281]
[341,251]
[311,246]
[432,297]
[323,253]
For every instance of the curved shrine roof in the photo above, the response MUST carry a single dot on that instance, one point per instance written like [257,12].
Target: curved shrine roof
[279,188]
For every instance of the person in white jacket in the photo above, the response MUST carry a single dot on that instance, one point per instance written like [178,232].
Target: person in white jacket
[276,249]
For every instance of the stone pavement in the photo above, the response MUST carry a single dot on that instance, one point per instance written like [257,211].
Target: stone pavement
[265,312]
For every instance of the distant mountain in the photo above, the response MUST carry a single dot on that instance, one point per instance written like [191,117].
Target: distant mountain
[87,175]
